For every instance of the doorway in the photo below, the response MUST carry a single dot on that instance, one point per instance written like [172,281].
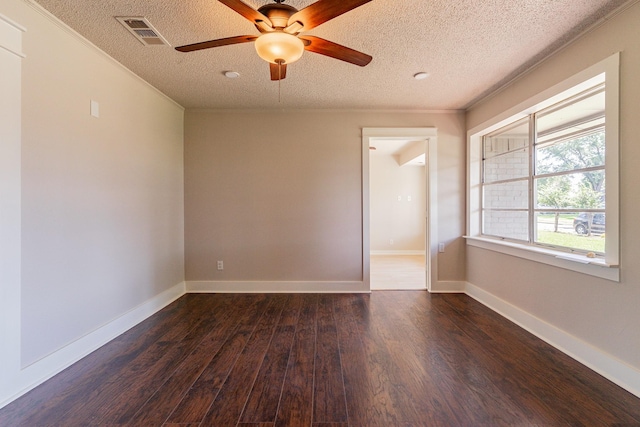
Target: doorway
[397,190]
[399,215]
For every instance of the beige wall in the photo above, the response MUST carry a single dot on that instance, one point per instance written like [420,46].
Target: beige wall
[404,220]
[602,313]
[10,133]
[102,210]
[277,195]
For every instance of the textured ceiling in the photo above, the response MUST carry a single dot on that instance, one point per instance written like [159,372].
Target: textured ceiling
[469,47]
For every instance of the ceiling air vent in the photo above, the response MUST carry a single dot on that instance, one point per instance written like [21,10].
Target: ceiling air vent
[142,30]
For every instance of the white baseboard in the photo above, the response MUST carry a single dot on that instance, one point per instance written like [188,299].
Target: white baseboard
[410,252]
[448,287]
[38,372]
[599,361]
[276,287]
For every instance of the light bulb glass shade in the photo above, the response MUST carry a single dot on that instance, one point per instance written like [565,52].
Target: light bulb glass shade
[278,46]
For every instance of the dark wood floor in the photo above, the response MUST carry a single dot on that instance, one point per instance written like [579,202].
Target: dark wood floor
[397,358]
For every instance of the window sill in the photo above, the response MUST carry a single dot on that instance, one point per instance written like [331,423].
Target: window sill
[592,266]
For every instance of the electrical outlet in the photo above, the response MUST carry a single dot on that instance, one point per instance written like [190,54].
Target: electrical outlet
[220,265]
[441,247]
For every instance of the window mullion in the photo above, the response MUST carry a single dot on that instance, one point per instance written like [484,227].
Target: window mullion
[532,160]
[571,172]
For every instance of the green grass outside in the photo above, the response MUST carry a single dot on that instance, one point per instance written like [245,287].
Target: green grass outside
[576,241]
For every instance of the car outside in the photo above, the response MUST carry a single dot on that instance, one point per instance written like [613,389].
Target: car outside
[581,223]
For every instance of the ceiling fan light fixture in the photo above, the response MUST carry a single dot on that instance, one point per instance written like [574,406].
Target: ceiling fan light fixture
[279,47]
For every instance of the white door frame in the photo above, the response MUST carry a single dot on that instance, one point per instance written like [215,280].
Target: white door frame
[430,135]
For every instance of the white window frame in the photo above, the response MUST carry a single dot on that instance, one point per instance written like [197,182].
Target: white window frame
[607,267]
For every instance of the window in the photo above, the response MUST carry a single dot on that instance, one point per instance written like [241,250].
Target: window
[543,176]
[545,179]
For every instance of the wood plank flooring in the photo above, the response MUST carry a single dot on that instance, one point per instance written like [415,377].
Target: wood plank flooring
[392,358]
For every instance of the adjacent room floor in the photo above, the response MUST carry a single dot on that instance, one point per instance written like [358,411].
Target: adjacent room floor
[400,272]
[398,358]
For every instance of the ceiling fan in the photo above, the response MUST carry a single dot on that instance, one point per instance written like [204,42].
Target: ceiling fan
[280,42]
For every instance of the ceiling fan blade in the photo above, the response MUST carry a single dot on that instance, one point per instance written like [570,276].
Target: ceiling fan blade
[245,10]
[334,50]
[216,43]
[278,71]
[322,11]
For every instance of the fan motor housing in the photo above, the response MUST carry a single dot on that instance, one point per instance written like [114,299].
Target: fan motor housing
[278,14]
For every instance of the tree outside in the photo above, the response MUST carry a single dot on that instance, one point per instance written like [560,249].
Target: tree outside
[553,193]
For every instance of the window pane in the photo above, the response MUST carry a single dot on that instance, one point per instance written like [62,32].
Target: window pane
[514,164]
[505,152]
[508,195]
[584,151]
[583,111]
[581,190]
[576,230]
[508,224]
